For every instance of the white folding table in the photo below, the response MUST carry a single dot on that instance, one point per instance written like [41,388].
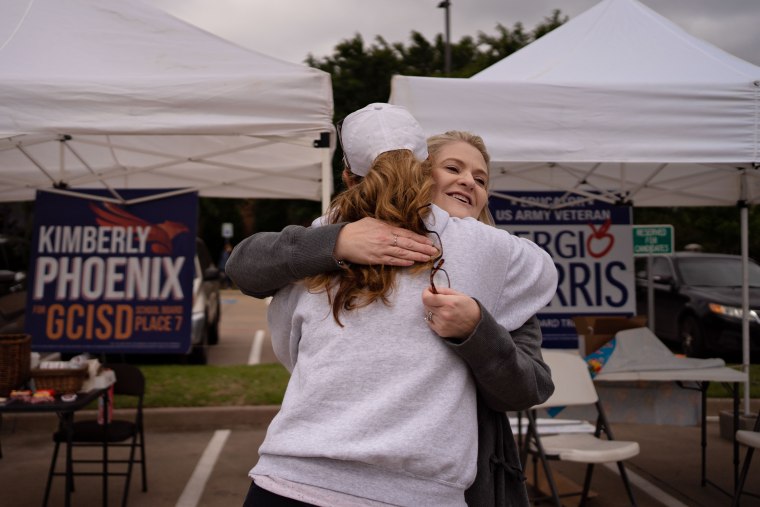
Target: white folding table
[702,378]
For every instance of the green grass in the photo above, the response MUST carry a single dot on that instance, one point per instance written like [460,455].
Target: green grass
[204,386]
[262,384]
[720,391]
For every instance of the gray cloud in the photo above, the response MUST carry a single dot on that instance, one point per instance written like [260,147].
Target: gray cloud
[292,29]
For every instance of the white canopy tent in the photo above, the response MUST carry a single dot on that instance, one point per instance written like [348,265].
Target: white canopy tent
[619,101]
[109,94]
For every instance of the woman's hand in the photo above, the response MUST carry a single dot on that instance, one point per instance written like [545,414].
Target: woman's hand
[371,241]
[449,313]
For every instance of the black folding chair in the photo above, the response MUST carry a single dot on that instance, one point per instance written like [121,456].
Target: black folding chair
[117,433]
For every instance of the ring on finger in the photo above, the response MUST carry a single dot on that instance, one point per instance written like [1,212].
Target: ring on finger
[429,317]
[395,240]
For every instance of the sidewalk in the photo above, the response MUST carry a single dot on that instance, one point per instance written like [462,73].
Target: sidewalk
[245,417]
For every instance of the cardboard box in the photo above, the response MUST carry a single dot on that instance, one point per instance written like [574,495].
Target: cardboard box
[726,419]
[598,330]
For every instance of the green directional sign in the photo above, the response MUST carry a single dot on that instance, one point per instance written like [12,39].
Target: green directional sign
[652,239]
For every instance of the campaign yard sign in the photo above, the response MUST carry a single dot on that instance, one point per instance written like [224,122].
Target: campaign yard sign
[591,244]
[111,278]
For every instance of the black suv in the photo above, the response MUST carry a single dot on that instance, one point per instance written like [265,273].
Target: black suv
[698,303]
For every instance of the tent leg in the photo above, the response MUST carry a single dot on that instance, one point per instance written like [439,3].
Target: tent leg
[744,212]
[327,179]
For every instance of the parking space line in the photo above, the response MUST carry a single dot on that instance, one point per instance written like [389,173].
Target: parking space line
[258,341]
[197,483]
[646,486]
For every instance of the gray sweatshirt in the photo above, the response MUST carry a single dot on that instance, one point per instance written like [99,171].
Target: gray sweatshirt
[383,408]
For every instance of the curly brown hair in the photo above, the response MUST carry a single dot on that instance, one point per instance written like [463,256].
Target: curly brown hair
[396,190]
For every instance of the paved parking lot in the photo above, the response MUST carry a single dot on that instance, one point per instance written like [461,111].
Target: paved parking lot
[201,456]
[244,338]
[665,473]
[172,461]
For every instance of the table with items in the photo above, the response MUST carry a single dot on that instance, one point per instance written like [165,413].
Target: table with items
[65,405]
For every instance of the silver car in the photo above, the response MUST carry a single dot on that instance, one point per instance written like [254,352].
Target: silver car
[207,310]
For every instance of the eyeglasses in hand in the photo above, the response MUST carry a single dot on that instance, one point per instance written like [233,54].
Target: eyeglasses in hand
[438,276]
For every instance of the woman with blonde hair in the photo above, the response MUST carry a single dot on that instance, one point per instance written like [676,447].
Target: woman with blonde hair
[393,372]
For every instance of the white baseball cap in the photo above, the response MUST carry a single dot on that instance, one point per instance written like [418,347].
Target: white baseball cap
[378,128]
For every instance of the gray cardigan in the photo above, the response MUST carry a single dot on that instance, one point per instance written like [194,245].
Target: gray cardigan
[507,367]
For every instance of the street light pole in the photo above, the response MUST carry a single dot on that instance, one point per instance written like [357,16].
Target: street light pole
[445,4]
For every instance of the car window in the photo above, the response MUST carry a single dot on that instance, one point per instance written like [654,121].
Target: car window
[14,254]
[198,269]
[716,272]
[661,268]
[203,254]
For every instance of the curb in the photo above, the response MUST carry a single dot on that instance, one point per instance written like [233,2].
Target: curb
[161,419]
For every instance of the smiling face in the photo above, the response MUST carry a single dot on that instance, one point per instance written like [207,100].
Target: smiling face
[460,174]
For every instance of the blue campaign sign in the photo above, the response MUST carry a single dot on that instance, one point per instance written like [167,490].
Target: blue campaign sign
[590,242]
[112,278]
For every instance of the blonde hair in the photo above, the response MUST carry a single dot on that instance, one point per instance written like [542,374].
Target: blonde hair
[436,142]
[395,190]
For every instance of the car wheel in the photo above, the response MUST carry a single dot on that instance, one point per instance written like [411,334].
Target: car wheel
[213,330]
[199,354]
[692,341]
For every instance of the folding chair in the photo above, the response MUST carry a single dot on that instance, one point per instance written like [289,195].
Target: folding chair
[574,387]
[752,440]
[117,433]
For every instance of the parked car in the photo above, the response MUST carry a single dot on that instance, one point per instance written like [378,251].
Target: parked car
[698,303]
[14,258]
[207,308]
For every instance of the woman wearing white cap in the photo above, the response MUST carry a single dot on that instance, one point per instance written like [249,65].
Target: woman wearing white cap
[377,412]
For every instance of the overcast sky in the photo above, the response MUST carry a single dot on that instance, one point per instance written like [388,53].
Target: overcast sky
[291,29]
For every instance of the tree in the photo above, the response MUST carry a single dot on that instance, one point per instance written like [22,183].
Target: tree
[715,228]
[248,216]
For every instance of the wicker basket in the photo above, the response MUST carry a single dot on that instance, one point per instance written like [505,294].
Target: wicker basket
[62,381]
[15,357]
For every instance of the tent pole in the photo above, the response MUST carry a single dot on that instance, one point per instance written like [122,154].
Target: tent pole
[650,293]
[323,144]
[326,179]
[744,212]
[62,159]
